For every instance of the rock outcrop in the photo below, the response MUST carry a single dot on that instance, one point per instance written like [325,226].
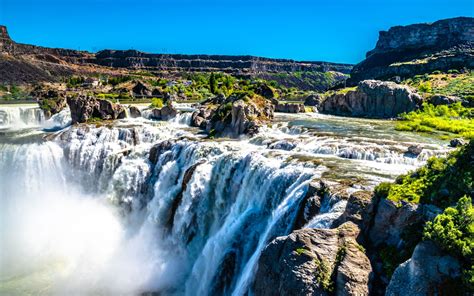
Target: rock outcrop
[428,272]
[290,108]
[234,116]
[313,100]
[165,113]
[405,51]
[50,101]
[314,262]
[373,98]
[84,108]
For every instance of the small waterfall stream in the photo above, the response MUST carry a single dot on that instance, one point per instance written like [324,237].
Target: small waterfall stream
[143,206]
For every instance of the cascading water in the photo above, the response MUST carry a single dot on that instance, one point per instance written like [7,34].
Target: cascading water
[144,206]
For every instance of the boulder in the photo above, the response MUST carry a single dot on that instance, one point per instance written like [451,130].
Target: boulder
[443,100]
[414,150]
[165,113]
[313,100]
[428,272]
[282,145]
[457,142]
[134,112]
[373,98]
[314,262]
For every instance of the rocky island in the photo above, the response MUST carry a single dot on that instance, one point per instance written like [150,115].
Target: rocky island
[162,174]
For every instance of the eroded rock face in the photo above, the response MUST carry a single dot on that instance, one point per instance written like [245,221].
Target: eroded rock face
[84,107]
[427,272]
[314,262]
[373,98]
[405,51]
[165,113]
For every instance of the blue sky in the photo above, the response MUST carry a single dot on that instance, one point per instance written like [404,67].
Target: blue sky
[338,30]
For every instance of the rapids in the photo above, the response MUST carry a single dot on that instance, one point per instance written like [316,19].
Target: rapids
[140,205]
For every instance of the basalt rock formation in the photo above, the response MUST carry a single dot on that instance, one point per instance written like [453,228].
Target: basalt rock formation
[372,98]
[314,262]
[23,63]
[405,51]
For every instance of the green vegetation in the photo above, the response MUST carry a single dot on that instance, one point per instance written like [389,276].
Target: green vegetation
[452,83]
[442,181]
[156,103]
[12,92]
[300,251]
[323,275]
[115,80]
[454,119]
[48,104]
[453,231]
[75,81]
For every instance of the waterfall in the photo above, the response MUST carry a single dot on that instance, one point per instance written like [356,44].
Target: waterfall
[139,205]
[21,117]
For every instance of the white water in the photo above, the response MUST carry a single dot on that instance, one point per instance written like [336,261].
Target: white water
[88,213]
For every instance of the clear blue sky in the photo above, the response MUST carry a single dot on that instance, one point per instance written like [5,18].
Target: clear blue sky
[337,30]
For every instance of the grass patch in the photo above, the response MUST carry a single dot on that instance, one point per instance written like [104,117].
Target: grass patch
[454,119]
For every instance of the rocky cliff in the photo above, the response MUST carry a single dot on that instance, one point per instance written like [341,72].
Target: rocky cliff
[420,48]
[29,63]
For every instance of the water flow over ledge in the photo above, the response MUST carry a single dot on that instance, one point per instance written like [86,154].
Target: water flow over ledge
[151,206]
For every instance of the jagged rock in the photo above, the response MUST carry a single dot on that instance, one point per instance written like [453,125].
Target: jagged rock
[443,100]
[140,89]
[406,51]
[391,221]
[427,272]
[359,210]
[310,204]
[84,107]
[290,108]
[313,262]
[457,142]
[373,98]
[313,100]
[134,112]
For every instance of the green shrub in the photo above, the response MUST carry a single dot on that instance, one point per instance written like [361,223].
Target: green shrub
[156,103]
[453,231]
[453,176]
[425,87]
